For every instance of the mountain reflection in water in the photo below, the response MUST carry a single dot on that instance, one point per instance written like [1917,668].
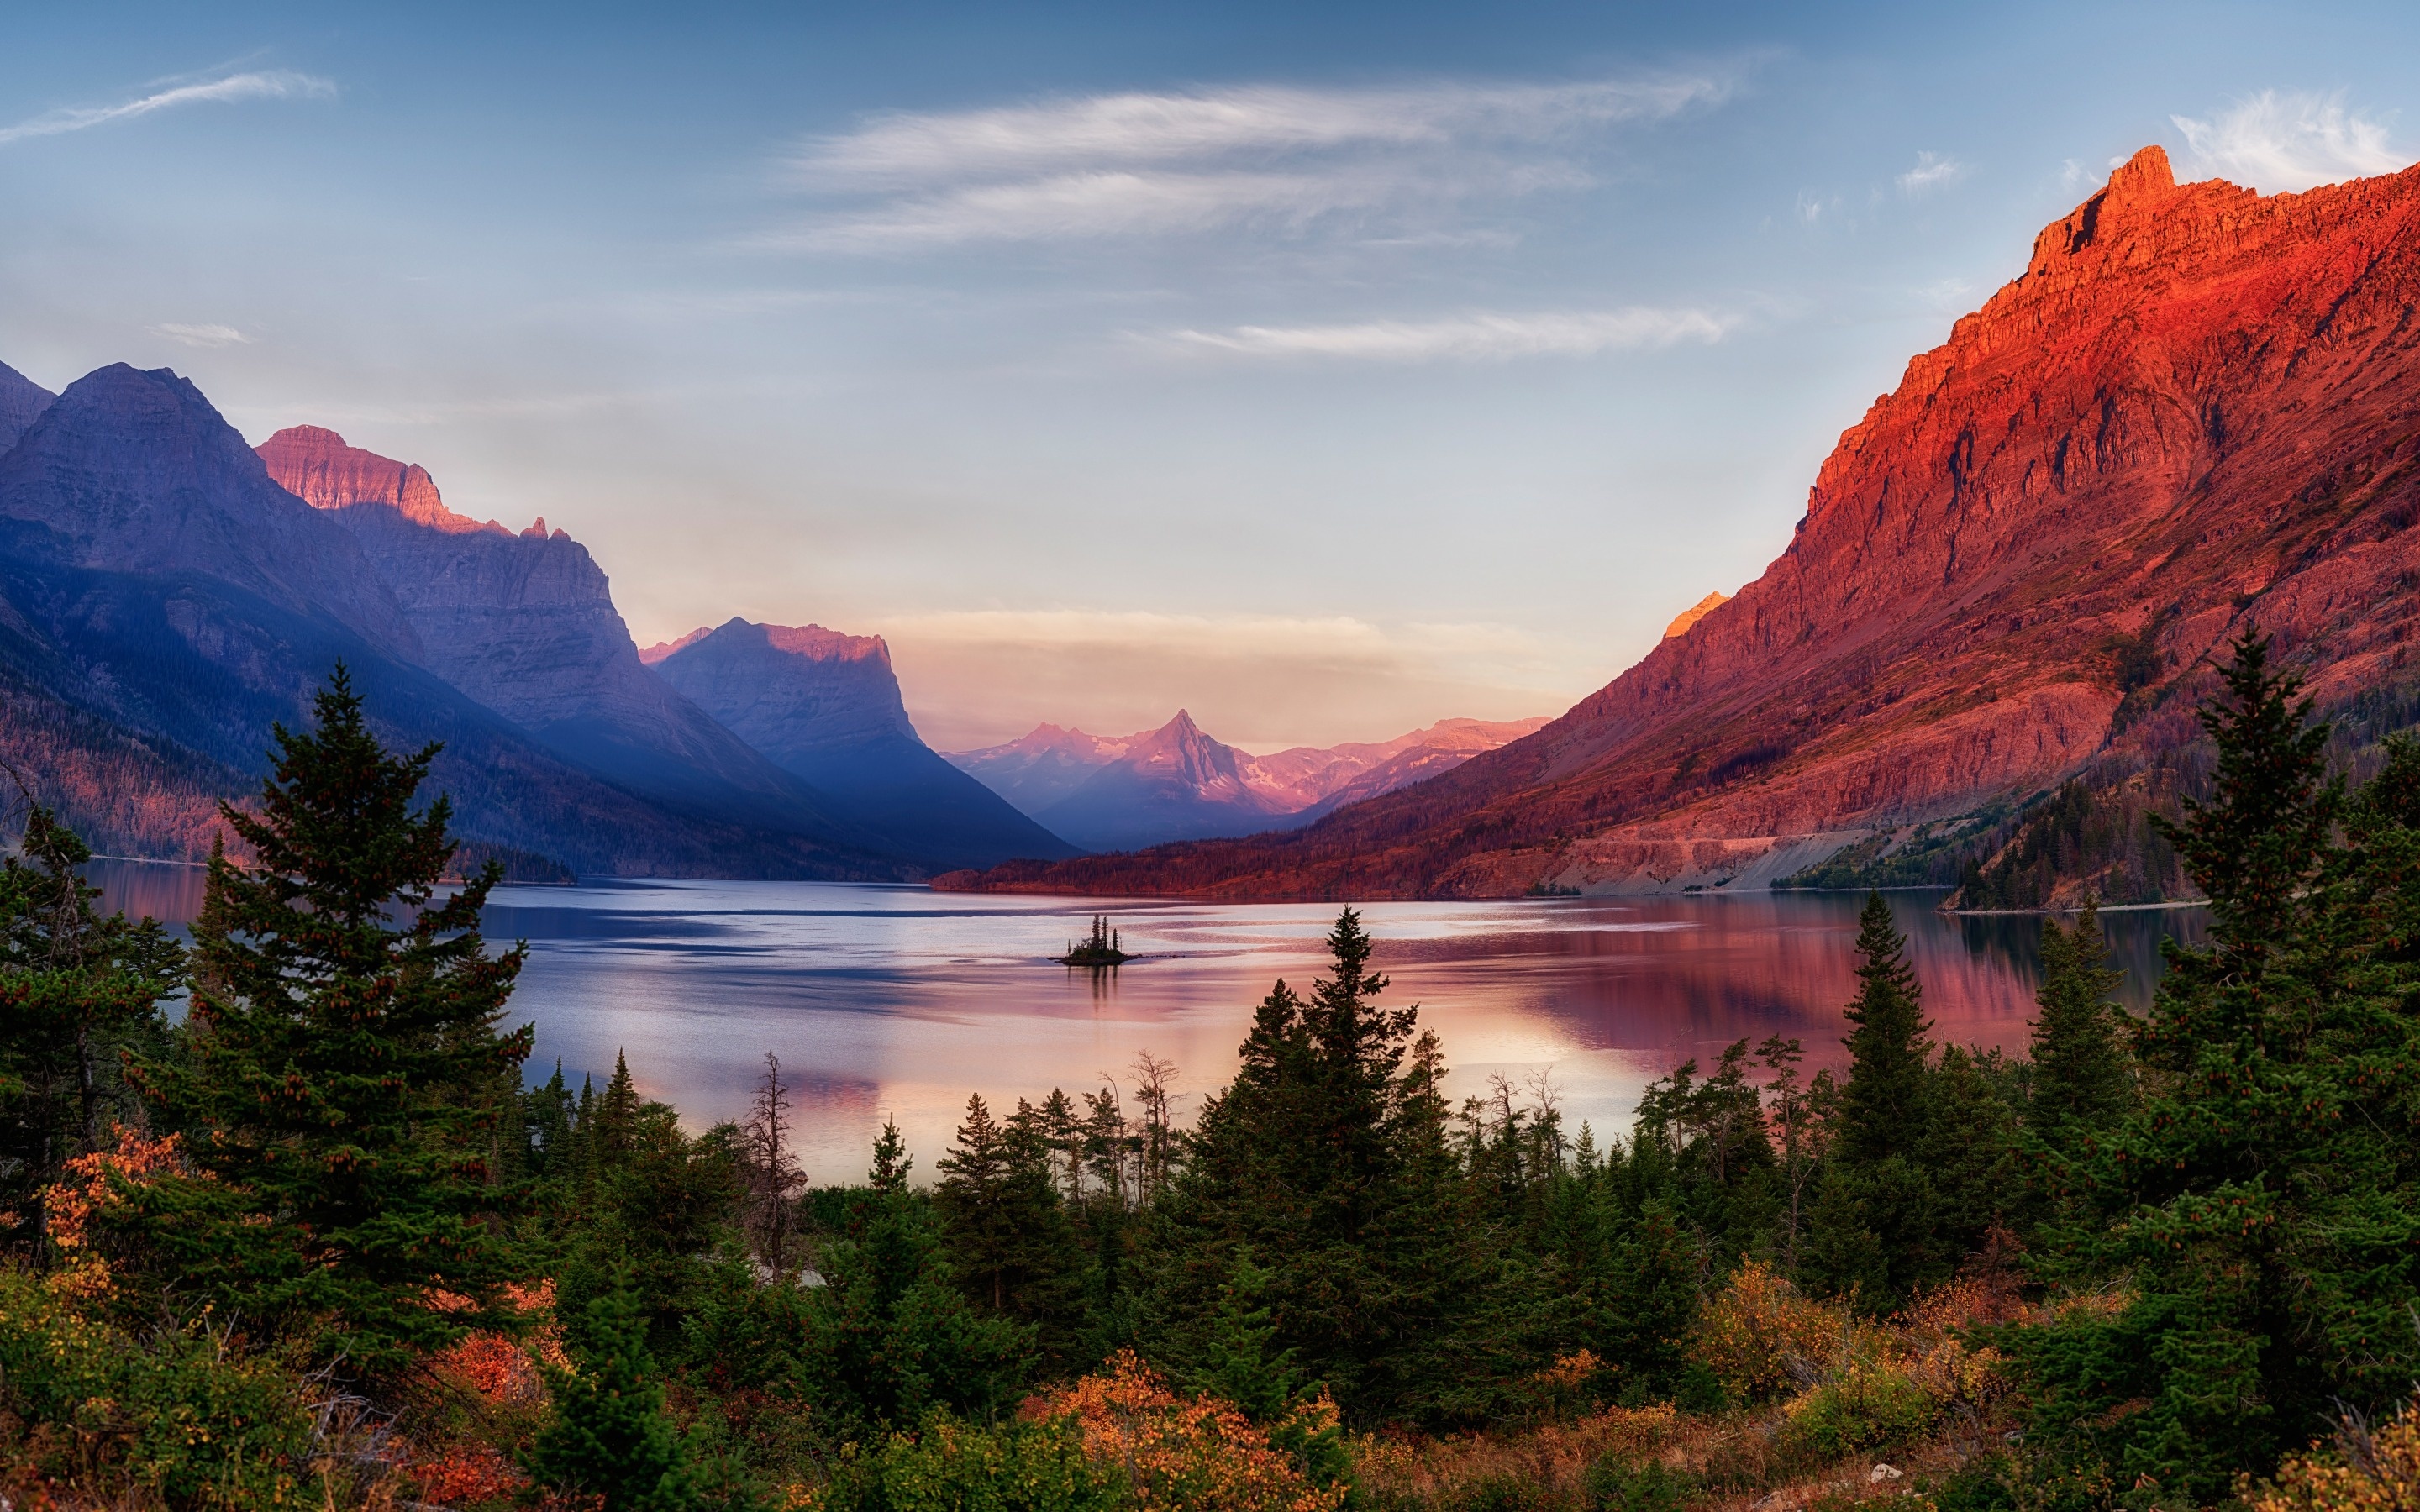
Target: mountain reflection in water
[893,1000]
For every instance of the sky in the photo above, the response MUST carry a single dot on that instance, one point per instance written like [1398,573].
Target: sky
[1323,370]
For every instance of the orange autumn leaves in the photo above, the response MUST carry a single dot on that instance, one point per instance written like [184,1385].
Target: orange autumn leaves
[1177,1453]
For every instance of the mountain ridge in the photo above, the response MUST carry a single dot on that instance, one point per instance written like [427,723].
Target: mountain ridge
[2195,412]
[1115,792]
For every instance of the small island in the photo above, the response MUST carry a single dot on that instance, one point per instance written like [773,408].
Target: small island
[1100,950]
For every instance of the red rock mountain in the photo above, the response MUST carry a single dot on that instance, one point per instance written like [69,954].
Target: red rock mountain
[2197,412]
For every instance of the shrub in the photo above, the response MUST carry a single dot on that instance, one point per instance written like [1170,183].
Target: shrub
[1869,1404]
[177,1416]
[1760,1338]
[1176,1455]
[952,1467]
[2369,1472]
[1615,1484]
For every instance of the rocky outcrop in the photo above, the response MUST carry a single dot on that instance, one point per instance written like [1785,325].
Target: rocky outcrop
[1695,613]
[2197,412]
[525,624]
[825,708]
[22,403]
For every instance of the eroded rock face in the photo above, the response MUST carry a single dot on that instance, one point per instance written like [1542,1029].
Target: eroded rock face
[526,626]
[2197,412]
[22,403]
[825,708]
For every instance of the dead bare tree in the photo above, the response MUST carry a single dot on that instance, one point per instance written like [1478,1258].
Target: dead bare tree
[1155,1089]
[772,1173]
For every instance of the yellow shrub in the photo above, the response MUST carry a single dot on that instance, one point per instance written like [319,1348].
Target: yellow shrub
[1757,1326]
[2382,1474]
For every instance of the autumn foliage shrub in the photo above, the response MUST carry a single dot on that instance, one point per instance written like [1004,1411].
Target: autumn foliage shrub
[1760,1338]
[2368,1471]
[1195,1454]
[99,1417]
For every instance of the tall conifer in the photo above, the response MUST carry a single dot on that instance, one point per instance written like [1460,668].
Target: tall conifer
[343,1057]
[2264,1202]
[2084,1074]
[1882,1107]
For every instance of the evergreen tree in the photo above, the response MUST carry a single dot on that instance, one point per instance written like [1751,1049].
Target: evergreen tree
[1873,1232]
[608,1438]
[76,991]
[2264,1202]
[1328,1158]
[343,1058]
[1883,1105]
[1014,1246]
[893,1338]
[2082,1072]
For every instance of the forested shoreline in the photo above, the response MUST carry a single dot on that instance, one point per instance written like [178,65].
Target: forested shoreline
[321,1242]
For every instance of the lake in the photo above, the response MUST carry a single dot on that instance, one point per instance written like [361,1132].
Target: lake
[897,1001]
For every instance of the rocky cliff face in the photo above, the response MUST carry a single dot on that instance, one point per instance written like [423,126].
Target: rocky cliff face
[22,403]
[825,708]
[2197,412]
[525,624]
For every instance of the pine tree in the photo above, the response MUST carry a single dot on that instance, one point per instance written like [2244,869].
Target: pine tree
[893,1335]
[76,989]
[2083,1072]
[1013,1247]
[610,1438]
[1883,1105]
[343,1057]
[1873,1230]
[1330,1157]
[2263,1203]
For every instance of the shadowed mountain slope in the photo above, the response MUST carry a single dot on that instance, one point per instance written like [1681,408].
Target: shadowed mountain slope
[825,708]
[2197,412]
[162,602]
[22,402]
[525,624]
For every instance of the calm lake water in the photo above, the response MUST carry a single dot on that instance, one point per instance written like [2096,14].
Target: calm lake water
[893,1000]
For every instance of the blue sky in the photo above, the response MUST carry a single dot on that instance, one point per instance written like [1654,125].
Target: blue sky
[1326,370]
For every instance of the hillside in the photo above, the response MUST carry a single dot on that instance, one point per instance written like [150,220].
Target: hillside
[2197,412]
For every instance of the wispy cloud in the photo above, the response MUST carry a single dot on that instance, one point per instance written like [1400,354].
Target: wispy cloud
[2280,140]
[272,85]
[1932,169]
[1481,336]
[202,335]
[1174,164]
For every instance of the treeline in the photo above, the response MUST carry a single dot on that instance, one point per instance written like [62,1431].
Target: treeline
[323,1218]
